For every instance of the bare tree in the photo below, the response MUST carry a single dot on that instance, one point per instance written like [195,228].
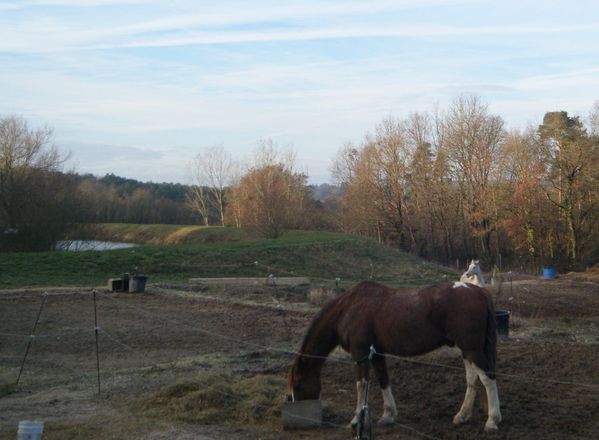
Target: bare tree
[217,168]
[198,198]
[31,184]
[473,139]
[344,164]
[374,177]
[234,197]
[211,172]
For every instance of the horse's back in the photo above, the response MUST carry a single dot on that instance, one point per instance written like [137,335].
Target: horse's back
[414,321]
[398,321]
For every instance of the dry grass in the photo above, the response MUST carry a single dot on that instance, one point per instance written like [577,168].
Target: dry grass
[216,398]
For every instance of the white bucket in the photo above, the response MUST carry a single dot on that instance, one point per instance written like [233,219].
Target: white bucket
[30,430]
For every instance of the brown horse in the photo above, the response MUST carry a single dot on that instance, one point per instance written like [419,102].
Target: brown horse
[404,322]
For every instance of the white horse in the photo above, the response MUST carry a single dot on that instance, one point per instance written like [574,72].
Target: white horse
[473,275]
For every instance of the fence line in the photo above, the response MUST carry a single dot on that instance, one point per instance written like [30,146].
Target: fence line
[349,361]
[333,358]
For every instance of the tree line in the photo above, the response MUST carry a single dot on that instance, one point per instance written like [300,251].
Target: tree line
[114,199]
[445,185]
[457,184]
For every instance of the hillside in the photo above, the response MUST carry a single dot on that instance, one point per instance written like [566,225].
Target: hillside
[175,253]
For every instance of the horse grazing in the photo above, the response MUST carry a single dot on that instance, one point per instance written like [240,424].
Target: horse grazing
[402,322]
[473,275]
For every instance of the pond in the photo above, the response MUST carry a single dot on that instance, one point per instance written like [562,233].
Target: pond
[91,245]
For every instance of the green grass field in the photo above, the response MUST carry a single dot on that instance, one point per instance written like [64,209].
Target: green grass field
[175,253]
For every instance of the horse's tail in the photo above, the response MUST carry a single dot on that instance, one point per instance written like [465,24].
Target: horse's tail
[490,349]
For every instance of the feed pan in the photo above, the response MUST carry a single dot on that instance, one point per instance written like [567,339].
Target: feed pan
[302,414]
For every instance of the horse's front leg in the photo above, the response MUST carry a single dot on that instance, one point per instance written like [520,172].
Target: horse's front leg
[389,407]
[361,370]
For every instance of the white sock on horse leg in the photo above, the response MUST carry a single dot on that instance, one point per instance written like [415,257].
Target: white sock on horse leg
[361,389]
[465,412]
[494,413]
[389,407]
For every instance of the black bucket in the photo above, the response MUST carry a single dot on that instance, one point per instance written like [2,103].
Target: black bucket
[137,283]
[502,318]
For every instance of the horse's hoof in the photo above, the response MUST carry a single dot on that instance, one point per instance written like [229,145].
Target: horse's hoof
[386,421]
[491,427]
[459,419]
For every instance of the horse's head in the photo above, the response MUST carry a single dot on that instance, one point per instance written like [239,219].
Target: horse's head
[474,274]
[304,380]
[473,269]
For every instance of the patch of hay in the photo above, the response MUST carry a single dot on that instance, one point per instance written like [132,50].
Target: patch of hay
[220,399]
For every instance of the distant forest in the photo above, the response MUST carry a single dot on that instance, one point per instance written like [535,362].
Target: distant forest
[114,199]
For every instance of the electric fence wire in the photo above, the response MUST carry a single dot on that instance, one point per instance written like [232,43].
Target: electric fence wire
[343,360]
[346,360]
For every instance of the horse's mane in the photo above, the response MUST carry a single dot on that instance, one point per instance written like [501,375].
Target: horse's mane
[311,337]
[322,316]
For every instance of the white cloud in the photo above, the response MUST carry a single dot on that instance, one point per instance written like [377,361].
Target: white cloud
[185,23]
[143,79]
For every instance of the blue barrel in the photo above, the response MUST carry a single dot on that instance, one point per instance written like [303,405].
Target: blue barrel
[549,273]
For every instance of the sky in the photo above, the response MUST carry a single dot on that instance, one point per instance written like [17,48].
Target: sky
[139,87]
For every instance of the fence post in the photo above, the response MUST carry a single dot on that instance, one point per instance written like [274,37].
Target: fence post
[32,335]
[96,329]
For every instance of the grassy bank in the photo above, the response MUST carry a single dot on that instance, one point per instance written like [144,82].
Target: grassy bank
[161,234]
[219,252]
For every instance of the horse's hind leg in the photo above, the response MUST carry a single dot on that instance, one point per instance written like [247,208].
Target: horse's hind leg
[494,412]
[389,408]
[465,412]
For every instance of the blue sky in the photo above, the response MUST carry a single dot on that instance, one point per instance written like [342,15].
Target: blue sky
[137,87]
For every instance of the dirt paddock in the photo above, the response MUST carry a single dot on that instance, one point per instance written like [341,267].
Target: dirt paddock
[185,364]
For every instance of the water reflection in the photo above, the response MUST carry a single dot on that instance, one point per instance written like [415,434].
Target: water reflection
[91,245]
